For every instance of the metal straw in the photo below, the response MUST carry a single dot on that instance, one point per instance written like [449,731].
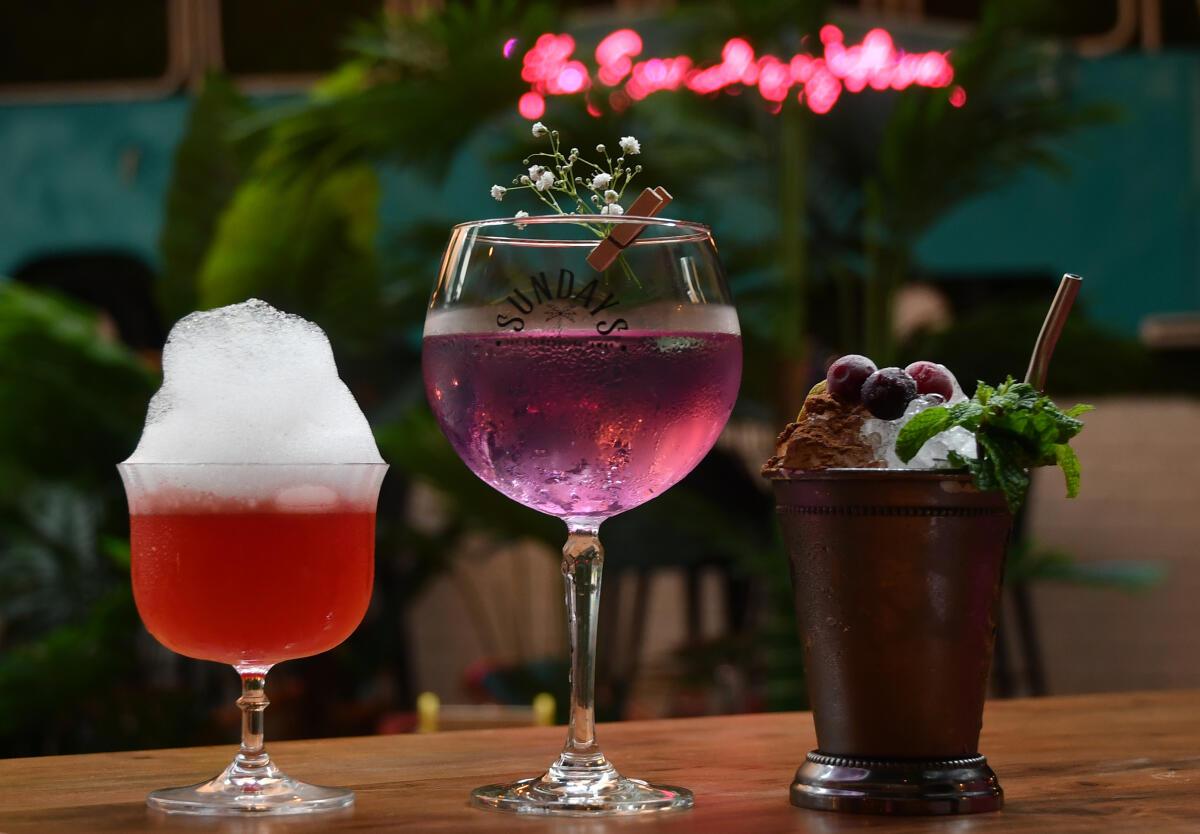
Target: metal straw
[1052,327]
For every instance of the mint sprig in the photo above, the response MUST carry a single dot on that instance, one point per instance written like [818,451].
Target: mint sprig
[1016,428]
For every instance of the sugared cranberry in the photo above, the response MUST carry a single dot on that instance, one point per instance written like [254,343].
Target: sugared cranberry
[887,392]
[932,378]
[846,376]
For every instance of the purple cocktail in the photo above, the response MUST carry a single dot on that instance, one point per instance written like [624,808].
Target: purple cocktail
[578,424]
[581,391]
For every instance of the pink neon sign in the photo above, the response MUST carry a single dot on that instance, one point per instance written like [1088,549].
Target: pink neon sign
[550,70]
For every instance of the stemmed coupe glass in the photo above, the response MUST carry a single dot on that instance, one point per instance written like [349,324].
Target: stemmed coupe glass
[252,564]
[581,394]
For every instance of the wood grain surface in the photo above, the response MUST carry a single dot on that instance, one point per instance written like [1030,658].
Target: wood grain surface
[1097,763]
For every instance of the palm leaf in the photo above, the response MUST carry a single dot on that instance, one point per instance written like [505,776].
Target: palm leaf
[306,247]
[207,169]
[423,80]
[73,399]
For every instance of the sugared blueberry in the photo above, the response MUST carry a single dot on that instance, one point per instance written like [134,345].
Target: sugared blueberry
[846,376]
[887,392]
[932,378]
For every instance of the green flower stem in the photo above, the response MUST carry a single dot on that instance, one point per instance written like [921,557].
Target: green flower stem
[628,270]
[566,183]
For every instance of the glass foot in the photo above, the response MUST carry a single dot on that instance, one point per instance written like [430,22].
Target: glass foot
[604,794]
[240,790]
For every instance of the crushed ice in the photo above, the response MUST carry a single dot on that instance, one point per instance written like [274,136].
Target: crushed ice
[935,454]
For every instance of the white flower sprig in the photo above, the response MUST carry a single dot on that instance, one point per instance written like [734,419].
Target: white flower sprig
[601,185]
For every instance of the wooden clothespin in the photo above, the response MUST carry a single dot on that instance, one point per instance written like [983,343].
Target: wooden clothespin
[649,203]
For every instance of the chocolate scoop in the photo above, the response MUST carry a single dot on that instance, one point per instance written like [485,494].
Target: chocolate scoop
[827,434]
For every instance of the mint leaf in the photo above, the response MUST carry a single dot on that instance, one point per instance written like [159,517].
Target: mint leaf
[1066,425]
[917,431]
[1080,409]
[966,414]
[1016,428]
[983,392]
[1002,461]
[1068,461]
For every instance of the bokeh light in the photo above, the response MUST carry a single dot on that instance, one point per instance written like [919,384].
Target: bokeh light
[818,80]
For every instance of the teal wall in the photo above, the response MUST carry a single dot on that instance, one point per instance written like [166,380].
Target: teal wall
[67,183]
[1127,218]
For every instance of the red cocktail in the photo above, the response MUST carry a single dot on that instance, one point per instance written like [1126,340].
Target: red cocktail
[251,564]
[252,496]
[310,586]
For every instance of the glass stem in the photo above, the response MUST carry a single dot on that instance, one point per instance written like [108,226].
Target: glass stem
[582,565]
[253,756]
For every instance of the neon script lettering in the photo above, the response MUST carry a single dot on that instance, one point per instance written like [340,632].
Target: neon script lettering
[551,70]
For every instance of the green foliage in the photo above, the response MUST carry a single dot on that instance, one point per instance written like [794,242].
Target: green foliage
[1030,563]
[299,228]
[73,406]
[73,399]
[420,77]
[1016,429]
[934,156]
[305,247]
[54,563]
[209,164]
[81,687]
[871,177]
[989,342]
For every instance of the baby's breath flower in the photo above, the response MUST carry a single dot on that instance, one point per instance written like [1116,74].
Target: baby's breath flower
[563,189]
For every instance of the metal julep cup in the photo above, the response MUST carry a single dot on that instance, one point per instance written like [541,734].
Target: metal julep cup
[897,580]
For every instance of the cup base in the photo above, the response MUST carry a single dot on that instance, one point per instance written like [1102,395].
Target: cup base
[545,795]
[896,786]
[267,792]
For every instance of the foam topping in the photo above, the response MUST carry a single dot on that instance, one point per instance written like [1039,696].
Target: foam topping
[250,384]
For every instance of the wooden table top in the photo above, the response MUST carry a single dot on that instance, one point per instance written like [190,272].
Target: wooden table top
[1097,763]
